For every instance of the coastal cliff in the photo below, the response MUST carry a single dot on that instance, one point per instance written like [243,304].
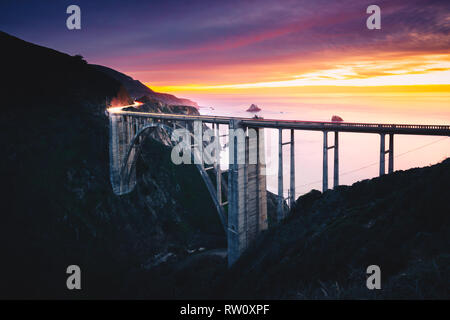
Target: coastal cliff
[59,208]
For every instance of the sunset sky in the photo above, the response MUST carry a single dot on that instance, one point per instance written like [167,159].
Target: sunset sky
[192,46]
[300,59]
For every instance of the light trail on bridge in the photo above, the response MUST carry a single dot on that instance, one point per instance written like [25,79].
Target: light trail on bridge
[413,129]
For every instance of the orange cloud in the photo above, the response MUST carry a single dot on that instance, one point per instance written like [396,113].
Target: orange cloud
[429,69]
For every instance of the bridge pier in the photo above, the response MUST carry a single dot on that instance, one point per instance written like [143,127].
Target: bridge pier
[280,206]
[292,173]
[261,180]
[383,152]
[391,153]
[198,143]
[336,160]
[247,199]
[217,164]
[325,161]
[281,214]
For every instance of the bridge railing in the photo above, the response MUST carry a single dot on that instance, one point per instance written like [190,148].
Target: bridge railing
[279,122]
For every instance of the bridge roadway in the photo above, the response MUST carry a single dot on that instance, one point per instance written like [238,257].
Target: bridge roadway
[411,129]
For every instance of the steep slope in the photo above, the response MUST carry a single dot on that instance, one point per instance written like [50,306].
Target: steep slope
[400,222]
[32,72]
[58,208]
[137,89]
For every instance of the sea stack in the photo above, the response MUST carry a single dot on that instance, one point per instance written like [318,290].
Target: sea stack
[253,108]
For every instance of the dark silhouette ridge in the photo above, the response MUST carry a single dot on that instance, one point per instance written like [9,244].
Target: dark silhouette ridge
[33,72]
[399,222]
[137,89]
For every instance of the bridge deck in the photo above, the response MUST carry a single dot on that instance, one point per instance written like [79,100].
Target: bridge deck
[415,129]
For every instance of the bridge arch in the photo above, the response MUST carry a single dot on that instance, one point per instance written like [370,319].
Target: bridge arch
[245,187]
[134,149]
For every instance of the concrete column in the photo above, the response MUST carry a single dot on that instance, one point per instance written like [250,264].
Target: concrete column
[233,217]
[280,208]
[198,141]
[237,235]
[247,224]
[292,186]
[382,154]
[247,199]
[262,184]
[217,164]
[336,159]
[391,153]
[325,162]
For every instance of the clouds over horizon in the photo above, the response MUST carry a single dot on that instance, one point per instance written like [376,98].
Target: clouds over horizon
[211,43]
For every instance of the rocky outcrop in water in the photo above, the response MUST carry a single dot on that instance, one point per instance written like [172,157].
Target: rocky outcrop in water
[253,108]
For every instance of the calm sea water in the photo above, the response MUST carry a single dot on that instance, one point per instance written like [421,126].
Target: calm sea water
[359,153]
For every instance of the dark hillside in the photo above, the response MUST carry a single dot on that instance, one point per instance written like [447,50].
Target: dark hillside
[57,204]
[400,222]
[34,74]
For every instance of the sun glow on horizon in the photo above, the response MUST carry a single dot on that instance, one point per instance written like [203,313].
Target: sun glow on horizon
[427,70]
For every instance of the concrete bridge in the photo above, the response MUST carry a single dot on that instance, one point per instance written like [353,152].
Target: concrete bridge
[244,212]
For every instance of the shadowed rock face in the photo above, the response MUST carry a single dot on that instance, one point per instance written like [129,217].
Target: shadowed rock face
[154,105]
